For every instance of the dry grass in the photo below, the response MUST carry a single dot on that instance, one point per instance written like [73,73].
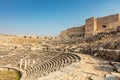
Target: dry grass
[8,75]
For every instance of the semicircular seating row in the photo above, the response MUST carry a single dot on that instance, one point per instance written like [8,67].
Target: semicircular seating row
[56,63]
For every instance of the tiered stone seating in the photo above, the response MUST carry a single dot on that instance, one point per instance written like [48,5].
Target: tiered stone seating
[51,65]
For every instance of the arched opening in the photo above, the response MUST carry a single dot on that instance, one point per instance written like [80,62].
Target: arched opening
[104,26]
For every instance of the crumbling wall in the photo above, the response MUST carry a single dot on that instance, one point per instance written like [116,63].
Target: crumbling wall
[104,24]
[95,25]
[63,33]
[90,26]
[73,31]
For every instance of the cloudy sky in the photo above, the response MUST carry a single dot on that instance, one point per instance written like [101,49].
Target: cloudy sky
[49,17]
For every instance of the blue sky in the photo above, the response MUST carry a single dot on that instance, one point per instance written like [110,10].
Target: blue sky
[49,17]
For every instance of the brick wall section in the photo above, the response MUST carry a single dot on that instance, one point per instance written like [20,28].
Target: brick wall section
[90,26]
[108,21]
[95,25]
[62,33]
[73,31]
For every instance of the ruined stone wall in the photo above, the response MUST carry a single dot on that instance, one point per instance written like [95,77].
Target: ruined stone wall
[62,33]
[107,22]
[90,26]
[73,31]
[95,25]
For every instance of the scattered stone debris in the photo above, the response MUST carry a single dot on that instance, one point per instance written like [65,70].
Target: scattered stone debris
[110,77]
[69,57]
[95,78]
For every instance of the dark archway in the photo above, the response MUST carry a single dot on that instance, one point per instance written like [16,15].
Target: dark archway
[104,26]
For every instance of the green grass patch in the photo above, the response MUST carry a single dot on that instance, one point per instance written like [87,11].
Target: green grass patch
[8,75]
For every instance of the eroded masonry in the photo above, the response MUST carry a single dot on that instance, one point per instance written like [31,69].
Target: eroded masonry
[89,52]
[95,25]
